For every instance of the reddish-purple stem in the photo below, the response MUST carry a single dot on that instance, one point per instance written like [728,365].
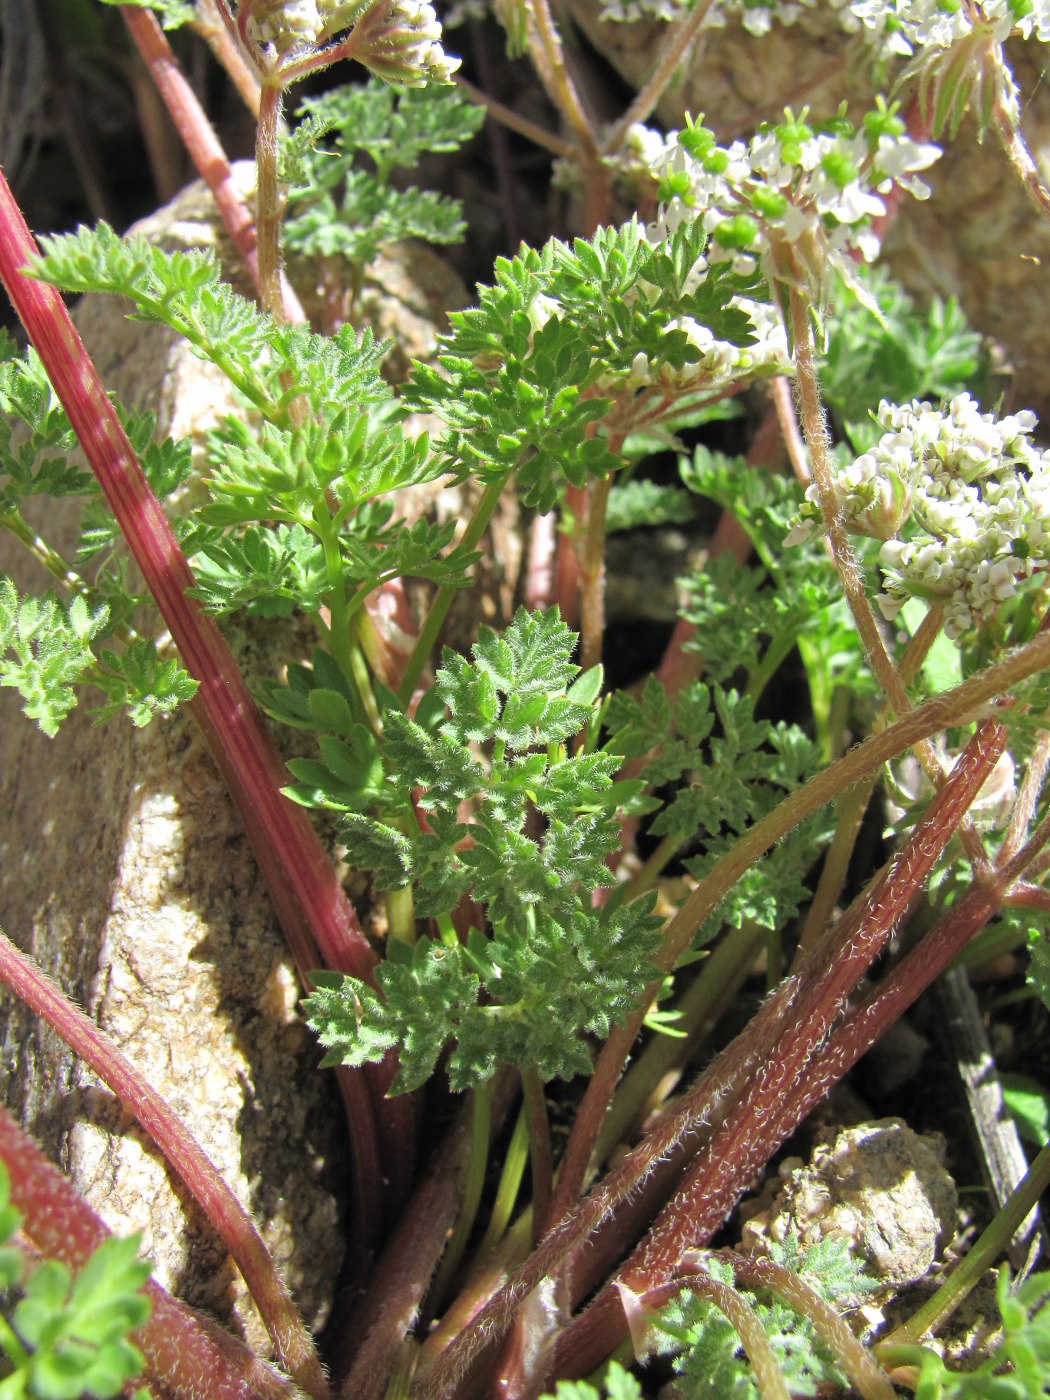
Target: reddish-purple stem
[185,1352]
[308,897]
[766,1113]
[195,131]
[292,1342]
[324,918]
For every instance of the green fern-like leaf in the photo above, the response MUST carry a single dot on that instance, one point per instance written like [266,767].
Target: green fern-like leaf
[552,969]
[51,651]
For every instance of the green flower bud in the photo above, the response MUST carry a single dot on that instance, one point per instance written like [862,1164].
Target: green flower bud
[738,232]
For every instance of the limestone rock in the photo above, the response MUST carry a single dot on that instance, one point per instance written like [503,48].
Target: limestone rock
[880,1187]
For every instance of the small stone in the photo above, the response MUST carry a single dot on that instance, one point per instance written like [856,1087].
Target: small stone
[880,1187]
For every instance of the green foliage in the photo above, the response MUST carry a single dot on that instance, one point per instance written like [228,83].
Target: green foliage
[750,617]
[68,1338]
[171,13]
[337,209]
[141,682]
[722,771]
[294,518]
[529,377]
[640,502]
[1039,965]
[269,364]
[617,1384]
[710,1361]
[541,824]
[34,463]
[1019,1369]
[51,647]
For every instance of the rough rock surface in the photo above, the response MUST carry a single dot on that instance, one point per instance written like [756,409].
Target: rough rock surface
[880,1187]
[124,872]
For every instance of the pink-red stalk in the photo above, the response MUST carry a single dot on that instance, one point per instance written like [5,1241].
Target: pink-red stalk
[768,1112]
[187,1353]
[292,1342]
[318,920]
[203,146]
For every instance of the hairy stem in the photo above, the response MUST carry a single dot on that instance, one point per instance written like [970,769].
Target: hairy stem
[786,1082]
[950,708]
[180,1346]
[203,146]
[438,610]
[696,1107]
[672,51]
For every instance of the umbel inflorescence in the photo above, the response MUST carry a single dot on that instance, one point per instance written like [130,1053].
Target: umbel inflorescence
[961,499]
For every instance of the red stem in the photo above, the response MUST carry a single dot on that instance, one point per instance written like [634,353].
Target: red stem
[769,1111]
[291,1340]
[195,131]
[308,897]
[181,1347]
[199,138]
[232,723]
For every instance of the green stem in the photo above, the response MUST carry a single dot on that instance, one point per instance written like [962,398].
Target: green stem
[991,1246]
[443,598]
[400,914]
[72,584]
[474,1180]
[849,814]
[852,1356]
[814,426]
[775,653]
[592,573]
[546,50]
[508,1188]
[11,1346]
[540,1158]
[1018,154]
[746,1323]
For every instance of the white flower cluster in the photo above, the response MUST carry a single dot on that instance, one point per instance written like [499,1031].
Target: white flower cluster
[403,38]
[907,26]
[893,27]
[404,44]
[809,192]
[756,19]
[721,363]
[290,24]
[962,500]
